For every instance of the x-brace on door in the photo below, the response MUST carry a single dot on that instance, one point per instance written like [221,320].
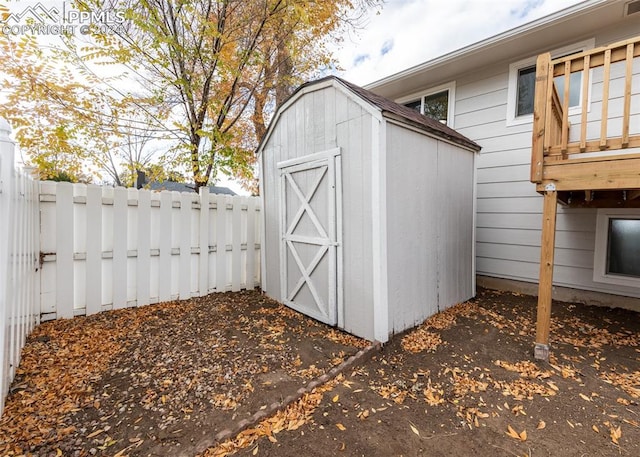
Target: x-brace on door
[311,231]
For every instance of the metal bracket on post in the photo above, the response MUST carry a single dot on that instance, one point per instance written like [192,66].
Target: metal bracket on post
[549,187]
[541,352]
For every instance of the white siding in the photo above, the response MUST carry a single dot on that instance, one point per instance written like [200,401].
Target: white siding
[508,208]
[430,217]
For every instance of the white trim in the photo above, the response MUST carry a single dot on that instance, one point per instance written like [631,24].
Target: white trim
[512,91]
[451,102]
[379,230]
[600,253]
[474,222]
[309,158]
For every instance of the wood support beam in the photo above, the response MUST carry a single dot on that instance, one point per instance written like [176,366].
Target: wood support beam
[545,286]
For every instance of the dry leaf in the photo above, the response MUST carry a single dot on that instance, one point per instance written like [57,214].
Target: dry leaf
[255,451]
[541,425]
[595,428]
[616,434]
[584,397]
[512,433]
[341,427]
[335,399]
[523,435]
[414,430]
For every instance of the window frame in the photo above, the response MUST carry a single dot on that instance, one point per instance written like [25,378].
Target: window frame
[600,253]
[450,87]
[514,69]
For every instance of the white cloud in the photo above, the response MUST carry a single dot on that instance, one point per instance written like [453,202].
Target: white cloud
[409,32]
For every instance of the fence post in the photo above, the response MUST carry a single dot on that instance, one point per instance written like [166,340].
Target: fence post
[6,185]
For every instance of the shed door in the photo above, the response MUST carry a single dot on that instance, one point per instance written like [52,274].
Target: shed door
[311,229]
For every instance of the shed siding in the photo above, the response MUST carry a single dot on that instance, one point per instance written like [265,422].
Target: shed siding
[455,218]
[412,231]
[430,226]
[508,208]
[318,121]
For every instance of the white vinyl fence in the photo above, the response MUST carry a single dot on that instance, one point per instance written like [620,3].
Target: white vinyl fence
[75,249]
[104,248]
[19,259]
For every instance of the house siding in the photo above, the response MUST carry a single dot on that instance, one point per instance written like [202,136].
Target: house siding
[509,211]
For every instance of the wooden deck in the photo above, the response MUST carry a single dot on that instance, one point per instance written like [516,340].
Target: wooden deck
[594,162]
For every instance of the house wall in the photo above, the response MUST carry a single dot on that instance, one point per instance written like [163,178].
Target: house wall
[508,208]
[318,121]
[430,226]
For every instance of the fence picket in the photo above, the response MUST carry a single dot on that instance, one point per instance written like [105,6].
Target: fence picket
[93,260]
[221,243]
[164,267]
[119,262]
[64,250]
[250,267]
[236,252]
[185,246]
[203,243]
[143,260]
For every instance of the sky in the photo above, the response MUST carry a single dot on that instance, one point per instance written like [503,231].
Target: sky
[409,32]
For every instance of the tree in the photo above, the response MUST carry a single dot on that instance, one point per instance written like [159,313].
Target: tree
[207,74]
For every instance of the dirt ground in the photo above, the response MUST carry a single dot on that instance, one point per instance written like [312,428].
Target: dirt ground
[156,380]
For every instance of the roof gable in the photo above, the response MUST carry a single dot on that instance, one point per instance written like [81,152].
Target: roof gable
[387,108]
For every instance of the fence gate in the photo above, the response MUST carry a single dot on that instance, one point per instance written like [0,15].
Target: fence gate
[310,228]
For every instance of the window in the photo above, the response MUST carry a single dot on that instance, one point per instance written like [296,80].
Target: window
[437,103]
[522,80]
[617,253]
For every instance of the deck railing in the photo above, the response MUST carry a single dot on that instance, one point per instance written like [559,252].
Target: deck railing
[554,138]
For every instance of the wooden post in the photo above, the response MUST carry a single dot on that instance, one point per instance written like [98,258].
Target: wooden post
[545,286]
[539,116]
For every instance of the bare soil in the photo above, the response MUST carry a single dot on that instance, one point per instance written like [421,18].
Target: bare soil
[158,380]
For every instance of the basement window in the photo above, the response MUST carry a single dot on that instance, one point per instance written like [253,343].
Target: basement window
[617,251]
[522,80]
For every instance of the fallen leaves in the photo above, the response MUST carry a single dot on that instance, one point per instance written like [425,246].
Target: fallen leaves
[420,340]
[615,433]
[291,418]
[629,382]
[522,436]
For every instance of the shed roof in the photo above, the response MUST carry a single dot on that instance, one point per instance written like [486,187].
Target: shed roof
[389,109]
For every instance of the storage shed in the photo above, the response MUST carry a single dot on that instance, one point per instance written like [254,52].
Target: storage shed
[368,210]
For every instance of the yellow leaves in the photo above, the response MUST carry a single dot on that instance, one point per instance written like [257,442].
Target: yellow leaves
[433,396]
[522,436]
[340,427]
[584,397]
[335,398]
[595,428]
[541,425]
[615,433]
[421,340]
[526,369]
